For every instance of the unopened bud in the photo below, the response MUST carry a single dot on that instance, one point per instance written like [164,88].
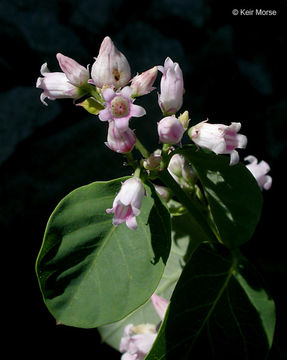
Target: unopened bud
[143,84]
[111,66]
[170,130]
[184,119]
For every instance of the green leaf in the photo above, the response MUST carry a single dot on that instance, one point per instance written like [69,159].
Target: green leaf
[233,195]
[112,333]
[219,309]
[92,273]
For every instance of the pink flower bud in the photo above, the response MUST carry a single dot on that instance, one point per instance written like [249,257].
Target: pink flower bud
[76,73]
[120,141]
[171,87]
[127,203]
[56,85]
[111,67]
[219,138]
[170,130]
[142,84]
[259,171]
[160,304]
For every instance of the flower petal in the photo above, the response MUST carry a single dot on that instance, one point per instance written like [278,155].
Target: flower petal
[137,111]
[105,115]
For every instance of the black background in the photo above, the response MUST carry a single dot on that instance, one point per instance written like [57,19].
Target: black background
[234,70]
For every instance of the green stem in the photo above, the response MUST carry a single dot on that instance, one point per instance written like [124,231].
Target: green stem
[182,197]
[141,148]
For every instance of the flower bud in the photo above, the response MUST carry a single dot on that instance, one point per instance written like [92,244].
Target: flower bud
[153,161]
[171,87]
[184,119]
[76,73]
[111,67]
[170,130]
[142,84]
[259,171]
[181,171]
[120,141]
[220,139]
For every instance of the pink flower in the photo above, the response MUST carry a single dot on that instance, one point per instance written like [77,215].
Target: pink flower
[127,203]
[138,340]
[56,85]
[111,67]
[171,87]
[120,141]
[76,73]
[259,171]
[219,138]
[170,130]
[119,107]
[142,84]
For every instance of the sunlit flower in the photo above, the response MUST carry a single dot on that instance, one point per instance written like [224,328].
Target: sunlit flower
[119,107]
[142,84]
[259,171]
[111,67]
[56,85]
[221,139]
[127,203]
[171,87]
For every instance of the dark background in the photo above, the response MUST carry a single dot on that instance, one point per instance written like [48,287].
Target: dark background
[234,70]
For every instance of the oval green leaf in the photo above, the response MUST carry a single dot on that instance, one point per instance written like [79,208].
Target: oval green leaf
[92,273]
[219,310]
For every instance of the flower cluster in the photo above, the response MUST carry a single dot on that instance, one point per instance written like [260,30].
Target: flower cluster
[110,91]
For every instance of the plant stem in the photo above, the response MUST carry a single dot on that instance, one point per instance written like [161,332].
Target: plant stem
[141,148]
[193,210]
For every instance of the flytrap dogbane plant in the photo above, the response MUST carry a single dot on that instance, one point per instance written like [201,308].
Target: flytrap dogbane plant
[173,227]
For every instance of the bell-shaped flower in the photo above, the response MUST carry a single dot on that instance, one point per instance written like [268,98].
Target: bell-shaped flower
[127,203]
[221,139]
[120,141]
[111,67]
[138,340]
[170,130]
[119,107]
[56,85]
[259,171]
[77,74]
[142,84]
[171,87]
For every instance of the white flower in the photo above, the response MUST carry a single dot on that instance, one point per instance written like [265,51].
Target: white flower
[259,171]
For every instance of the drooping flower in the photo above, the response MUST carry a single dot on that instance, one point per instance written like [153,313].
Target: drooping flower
[221,139]
[138,340]
[56,85]
[259,171]
[120,141]
[171,87]
[119,107]
[170,130]
[127,203]
[77,74]
[111,67]
[142,84]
